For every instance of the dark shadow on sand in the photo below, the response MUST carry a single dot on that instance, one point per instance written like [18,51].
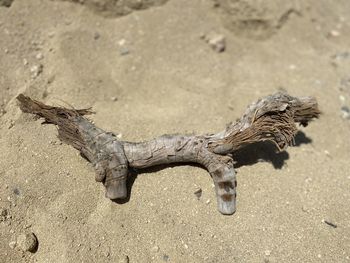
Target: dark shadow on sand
[266,152]
[249,155]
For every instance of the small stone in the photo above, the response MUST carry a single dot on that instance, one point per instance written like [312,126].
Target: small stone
[10,125]
[165,257]
[267,252]
[36,70]
[97,35]
[124,51]
[119,135]
[114,98]
[345,112]
[216,41]
[25,62]
[208,202]
[124,259]
[342,98]
[155,249]
[121,42]
[198,192]
[27,242]
[27,226]
[12,244]
[51,79]
[39,56]
[186,246]
[334,33]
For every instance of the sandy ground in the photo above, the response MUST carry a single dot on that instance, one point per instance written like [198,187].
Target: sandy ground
[149,73]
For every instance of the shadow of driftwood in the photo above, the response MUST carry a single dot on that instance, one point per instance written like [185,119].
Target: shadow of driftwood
[249,155]
[301,138]
[133,173]
[266,152]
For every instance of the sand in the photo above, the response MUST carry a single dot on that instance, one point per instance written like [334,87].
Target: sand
[146,71]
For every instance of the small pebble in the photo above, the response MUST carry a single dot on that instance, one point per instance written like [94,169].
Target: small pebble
[10,125]
[16,191]
[198,192]
[39,56]
[51,34]
[97,35]
[27,226]
[345,112]
[155,249]
[208,202]
[216,41]
[334,33]
[124,51]
[304,209]
[51,79]
[165,257]
[25,62]
[12,244]
[121,42]
[27,242]
[114,98]
[36,70]
[267,252]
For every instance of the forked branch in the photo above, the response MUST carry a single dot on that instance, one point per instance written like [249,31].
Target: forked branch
[272,118]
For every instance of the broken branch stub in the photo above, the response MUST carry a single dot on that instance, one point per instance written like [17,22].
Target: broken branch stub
[272,119]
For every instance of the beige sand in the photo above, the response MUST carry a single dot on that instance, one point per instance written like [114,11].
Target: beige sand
[149,73]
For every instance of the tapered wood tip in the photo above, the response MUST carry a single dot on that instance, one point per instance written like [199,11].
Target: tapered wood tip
[50,113]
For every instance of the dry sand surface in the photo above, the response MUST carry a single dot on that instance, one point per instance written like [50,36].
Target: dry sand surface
[146,70]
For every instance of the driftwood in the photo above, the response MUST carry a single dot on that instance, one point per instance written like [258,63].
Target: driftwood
[272,119]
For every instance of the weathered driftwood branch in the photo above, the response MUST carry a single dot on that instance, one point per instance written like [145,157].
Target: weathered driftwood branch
[270,119]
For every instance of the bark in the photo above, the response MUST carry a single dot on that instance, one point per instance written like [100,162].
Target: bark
[272,118]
